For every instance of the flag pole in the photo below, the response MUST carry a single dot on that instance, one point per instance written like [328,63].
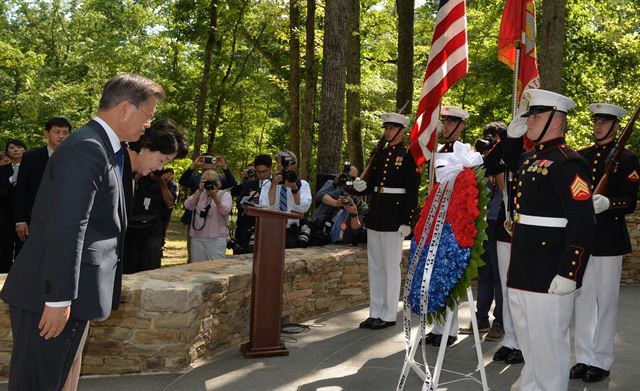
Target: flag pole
[516,76]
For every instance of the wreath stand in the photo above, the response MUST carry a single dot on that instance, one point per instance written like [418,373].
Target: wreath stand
[410,362]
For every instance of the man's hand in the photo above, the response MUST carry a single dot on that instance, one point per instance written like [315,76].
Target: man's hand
[600,204]
[351,208]
[22,230]
[291,185]
[561,286]
[198,163]
[404,231]
[221,163]
[53,321]
[359,184]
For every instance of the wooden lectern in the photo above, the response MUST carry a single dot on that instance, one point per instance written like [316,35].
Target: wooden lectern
[266,284]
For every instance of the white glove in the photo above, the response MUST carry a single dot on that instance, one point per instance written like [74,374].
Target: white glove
[561,286]
[518,127]
[600,203]
[359,184]
[404,231]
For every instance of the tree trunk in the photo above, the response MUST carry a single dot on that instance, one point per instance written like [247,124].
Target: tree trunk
[309,92]
[354,122]
[294,79]
[204,81]
[404,92]
[552,42]
[333,86]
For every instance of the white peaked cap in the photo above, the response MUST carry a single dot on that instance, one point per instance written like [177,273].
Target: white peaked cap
[607,109]
[395,118]
[452,111]
[539,99]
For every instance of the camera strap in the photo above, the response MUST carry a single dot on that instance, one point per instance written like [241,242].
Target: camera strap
[196,213]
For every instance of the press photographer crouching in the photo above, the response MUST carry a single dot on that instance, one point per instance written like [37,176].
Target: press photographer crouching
[339,217]
[287,192]
[160,144]
[210,206]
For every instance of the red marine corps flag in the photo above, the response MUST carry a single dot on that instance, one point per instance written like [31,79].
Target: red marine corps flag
[518,30]
[448,63]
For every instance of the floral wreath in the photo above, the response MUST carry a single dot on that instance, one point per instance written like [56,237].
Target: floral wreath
[459,248]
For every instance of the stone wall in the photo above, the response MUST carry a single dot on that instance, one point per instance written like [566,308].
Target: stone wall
[173,317]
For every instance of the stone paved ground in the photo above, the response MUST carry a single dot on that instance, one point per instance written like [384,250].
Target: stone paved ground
[334,355]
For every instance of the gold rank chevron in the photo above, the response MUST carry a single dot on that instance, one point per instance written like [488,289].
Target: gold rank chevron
[580,189]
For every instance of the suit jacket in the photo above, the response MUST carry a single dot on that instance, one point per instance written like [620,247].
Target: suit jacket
[31,170]
[76,235]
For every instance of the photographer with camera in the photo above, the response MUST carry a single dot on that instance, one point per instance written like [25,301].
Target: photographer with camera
[287,192]
[340,214]
[257,174]
[210,206]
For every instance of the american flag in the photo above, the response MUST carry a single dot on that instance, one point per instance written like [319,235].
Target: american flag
[448,63]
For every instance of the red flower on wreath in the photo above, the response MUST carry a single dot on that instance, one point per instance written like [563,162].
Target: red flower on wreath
[463,208]
[462,211]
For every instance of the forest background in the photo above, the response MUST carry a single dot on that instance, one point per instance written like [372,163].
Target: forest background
[245,77]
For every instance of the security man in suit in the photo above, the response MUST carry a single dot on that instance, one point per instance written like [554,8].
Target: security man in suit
[31,168]
[393,183]
[69,273]
[452,119]
[552,237]
[597,301]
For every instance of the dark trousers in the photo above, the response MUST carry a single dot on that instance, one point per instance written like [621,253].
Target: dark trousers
[143,246]
[489,287]
[38,364]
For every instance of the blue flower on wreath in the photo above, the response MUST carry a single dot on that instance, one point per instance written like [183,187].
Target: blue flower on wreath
[451,262]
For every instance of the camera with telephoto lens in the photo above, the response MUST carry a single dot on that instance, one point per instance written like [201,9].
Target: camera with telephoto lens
[232,244]
[210,185]
[251,173]
[483,145]
[304,235]
[345,180]
[288,175]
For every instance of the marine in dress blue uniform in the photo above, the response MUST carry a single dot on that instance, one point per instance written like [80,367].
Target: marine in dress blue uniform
[597,301]
[552,237]
[393,185]
[453,120]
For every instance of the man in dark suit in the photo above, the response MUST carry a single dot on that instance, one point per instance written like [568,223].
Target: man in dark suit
[69,271]
[30,174]
[9,177]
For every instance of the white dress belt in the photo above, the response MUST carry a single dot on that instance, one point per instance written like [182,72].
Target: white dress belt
[390,190]
[541,221]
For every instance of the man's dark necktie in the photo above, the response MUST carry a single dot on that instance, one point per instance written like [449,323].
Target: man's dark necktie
[283,198]
[120,161]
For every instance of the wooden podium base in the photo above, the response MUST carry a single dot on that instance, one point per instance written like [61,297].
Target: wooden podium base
[250,352]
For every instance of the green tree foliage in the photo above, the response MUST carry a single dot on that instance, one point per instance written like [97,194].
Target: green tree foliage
[55,55]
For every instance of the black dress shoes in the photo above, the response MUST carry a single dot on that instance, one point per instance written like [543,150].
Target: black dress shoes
[367,323]
[437,339]
[578,371]
[431,337]
[515,357]
[502,353]
[378,324]
[595,374]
